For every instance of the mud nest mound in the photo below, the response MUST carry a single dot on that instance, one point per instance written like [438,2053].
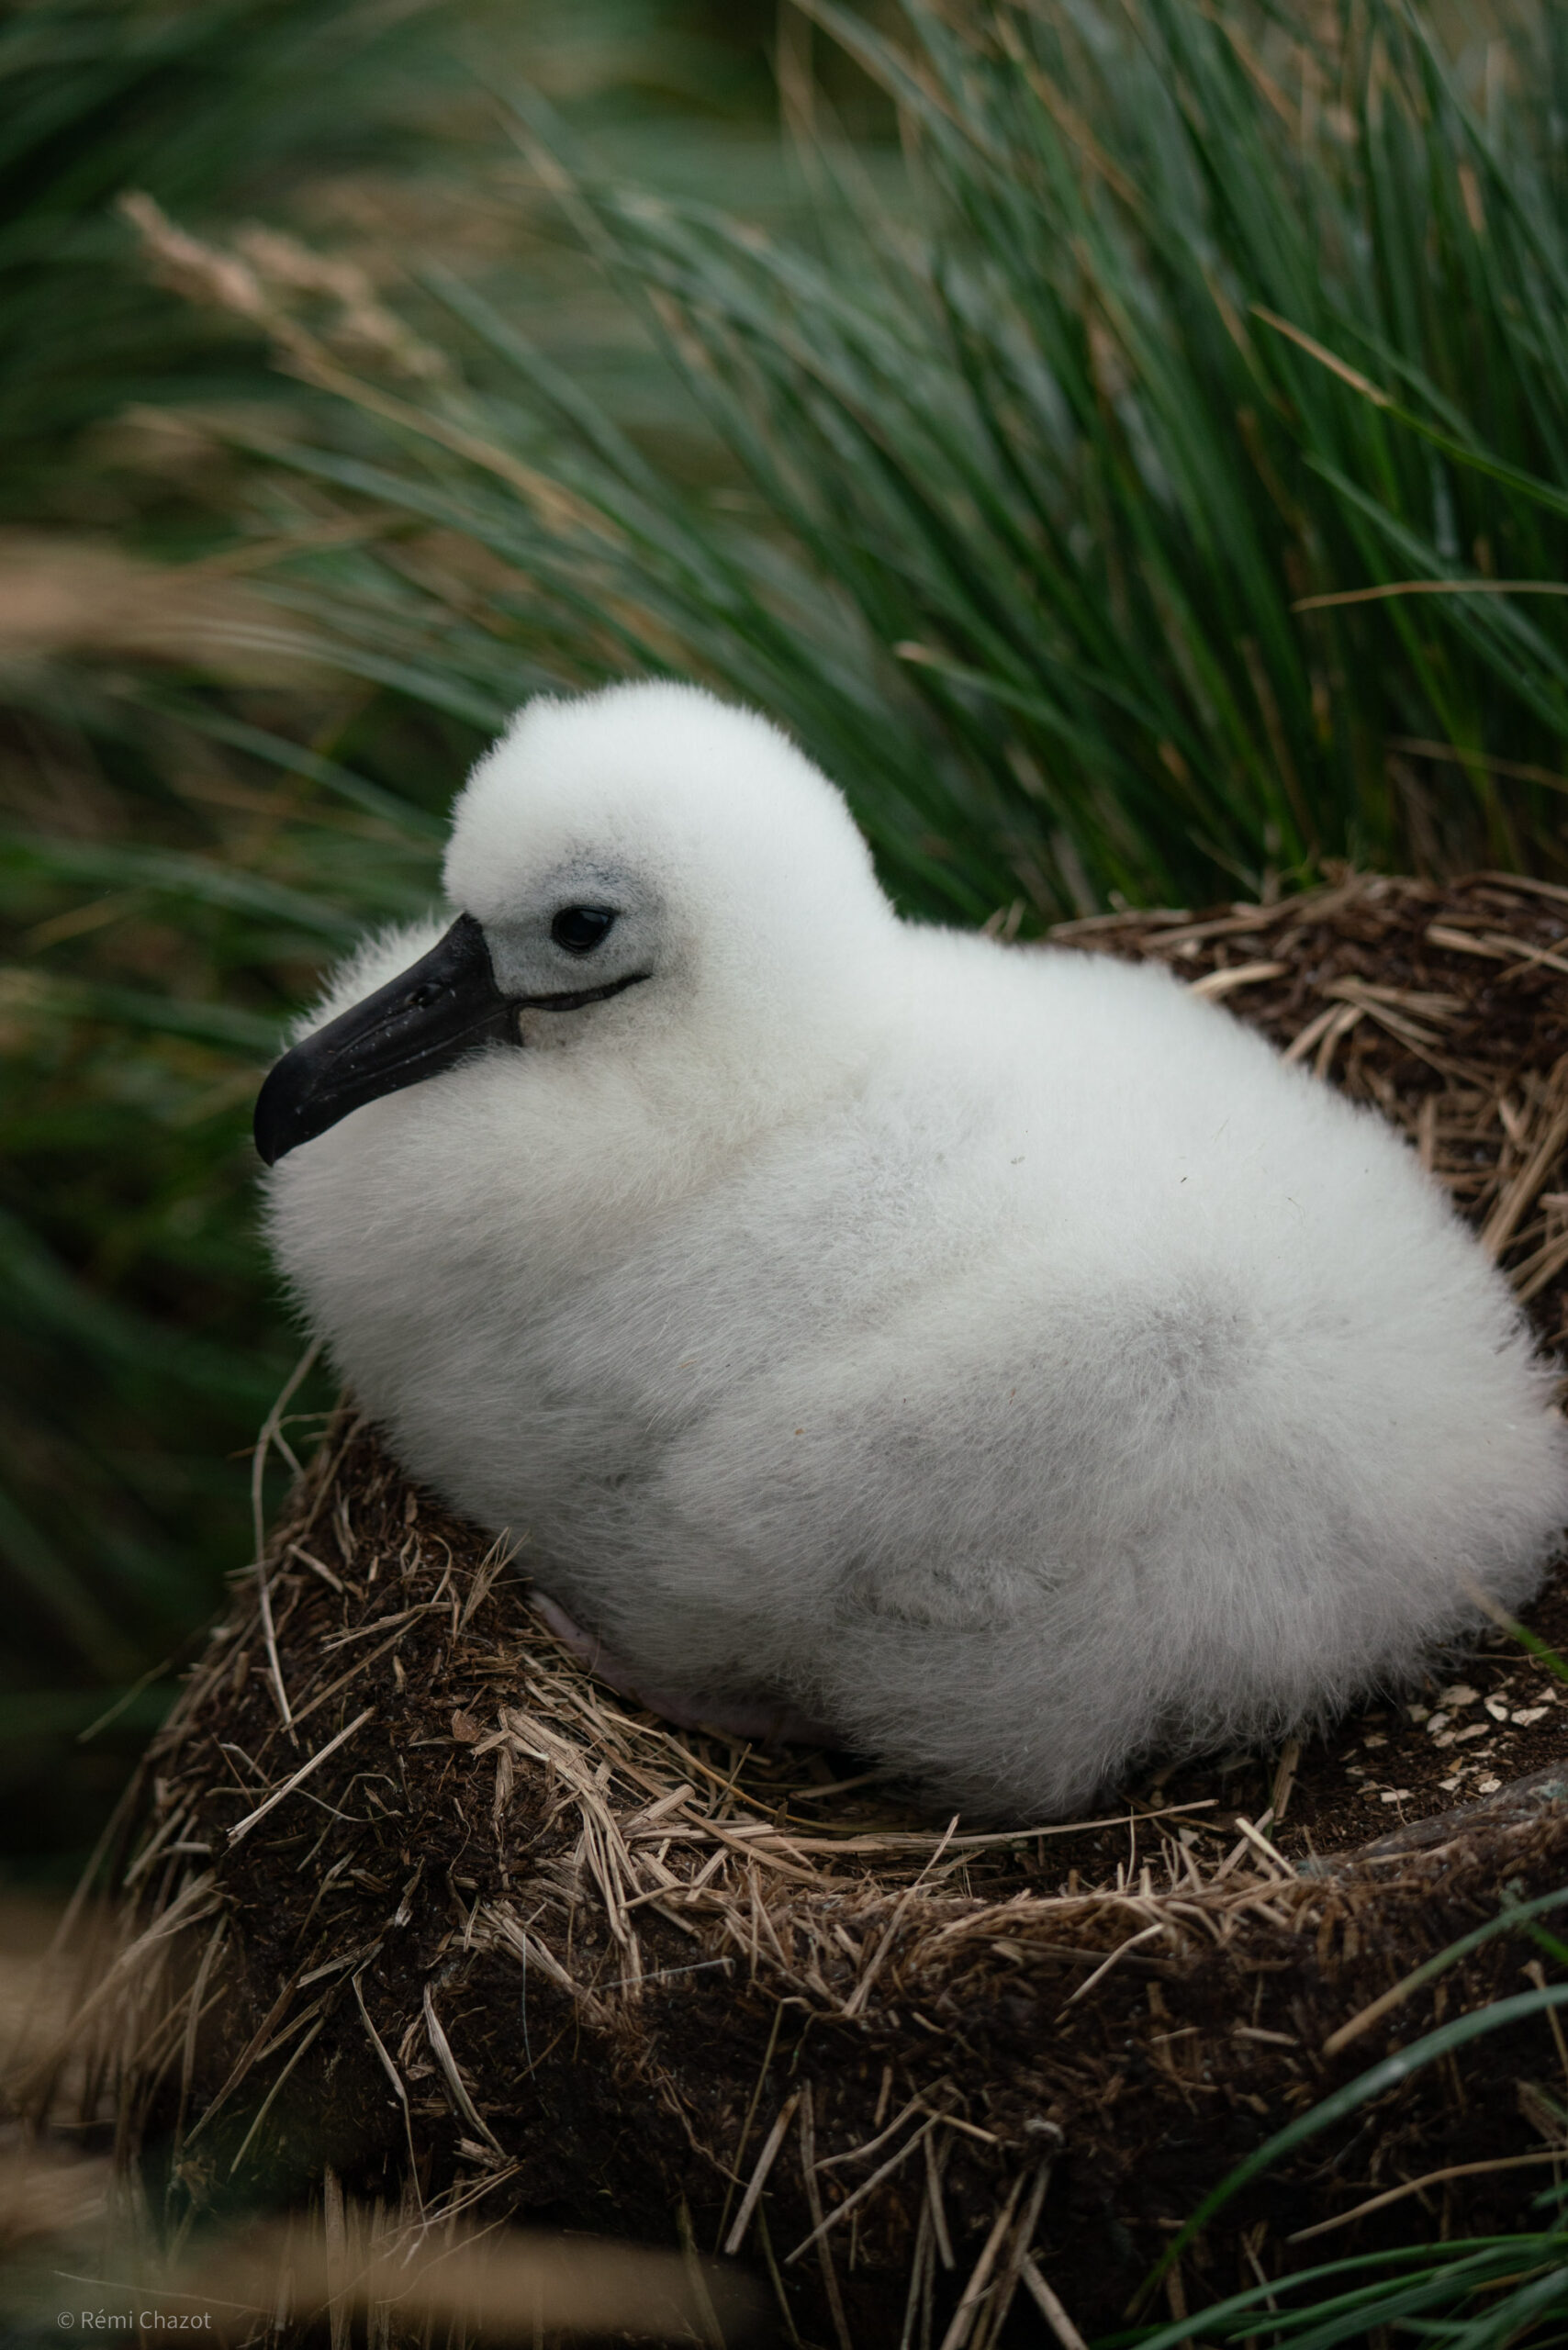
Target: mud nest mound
[414,1901]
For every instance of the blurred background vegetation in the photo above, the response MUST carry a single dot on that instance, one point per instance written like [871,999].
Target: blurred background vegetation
[1107,433]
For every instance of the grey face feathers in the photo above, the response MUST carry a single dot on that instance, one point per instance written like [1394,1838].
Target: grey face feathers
[424,1021]
[998,1356]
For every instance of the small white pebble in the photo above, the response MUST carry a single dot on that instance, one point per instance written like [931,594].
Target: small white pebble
[1498,1708]
[1487,1786]
[1436,1724]
[1528,1714]
[1445,1738]
[1448,1785]
[1418,1713]
[1394,1794]
[1459,1692]
[1472,1729]
[1375,1738]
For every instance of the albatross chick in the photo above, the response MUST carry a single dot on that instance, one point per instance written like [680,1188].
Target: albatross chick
[998,1358]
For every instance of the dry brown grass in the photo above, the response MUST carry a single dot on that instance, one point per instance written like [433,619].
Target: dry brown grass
[68,597]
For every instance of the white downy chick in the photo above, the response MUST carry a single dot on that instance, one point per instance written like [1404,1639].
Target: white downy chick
[998,1356]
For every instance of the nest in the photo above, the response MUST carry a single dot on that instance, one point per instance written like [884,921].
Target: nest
[415,1904]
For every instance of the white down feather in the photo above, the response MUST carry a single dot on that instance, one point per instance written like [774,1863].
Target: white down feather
[1000,1354]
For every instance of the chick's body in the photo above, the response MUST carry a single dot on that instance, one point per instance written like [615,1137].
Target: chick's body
[997,1354]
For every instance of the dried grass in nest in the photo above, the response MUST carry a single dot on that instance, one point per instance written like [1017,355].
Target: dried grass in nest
[415,1899]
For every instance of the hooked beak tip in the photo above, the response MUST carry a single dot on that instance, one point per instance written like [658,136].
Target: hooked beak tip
[269,1124]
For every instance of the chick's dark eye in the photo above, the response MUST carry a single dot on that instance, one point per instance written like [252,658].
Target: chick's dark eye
[579,929]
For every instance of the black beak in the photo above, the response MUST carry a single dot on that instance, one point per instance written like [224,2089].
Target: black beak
[415,1027]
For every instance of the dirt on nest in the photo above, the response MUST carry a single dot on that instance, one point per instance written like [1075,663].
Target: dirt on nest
[422,1903]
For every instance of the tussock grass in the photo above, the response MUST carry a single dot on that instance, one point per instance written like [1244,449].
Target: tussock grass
[195,812]
[1158,494]
[155,924]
